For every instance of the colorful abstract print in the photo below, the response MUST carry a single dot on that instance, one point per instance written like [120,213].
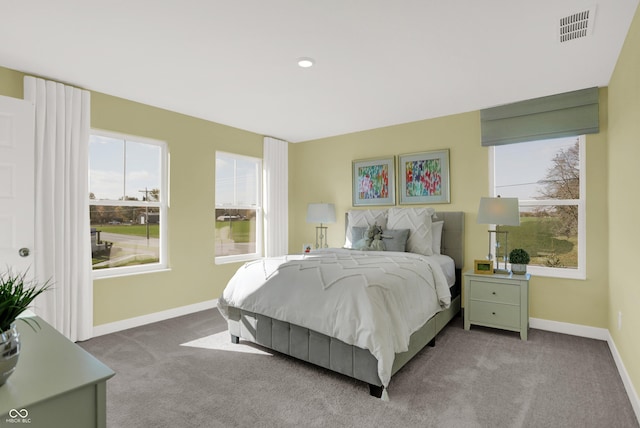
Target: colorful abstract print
[373,182]
[424,178]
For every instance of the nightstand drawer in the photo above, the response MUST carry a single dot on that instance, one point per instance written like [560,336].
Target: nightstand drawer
[494,314]
[495,292]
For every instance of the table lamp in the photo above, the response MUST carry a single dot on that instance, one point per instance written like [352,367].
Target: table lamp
[499,212]
[321,213]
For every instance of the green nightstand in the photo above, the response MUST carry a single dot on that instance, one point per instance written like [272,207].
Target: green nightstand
[498,301]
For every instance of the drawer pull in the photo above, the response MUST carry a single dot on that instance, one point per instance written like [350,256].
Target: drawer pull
[493,313]
[494,293]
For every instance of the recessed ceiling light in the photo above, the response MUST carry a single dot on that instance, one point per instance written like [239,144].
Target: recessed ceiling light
[305,62]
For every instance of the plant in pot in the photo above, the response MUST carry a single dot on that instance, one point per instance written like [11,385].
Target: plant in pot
[16,294]
[519,259]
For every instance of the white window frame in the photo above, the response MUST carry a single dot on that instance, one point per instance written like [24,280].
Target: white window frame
[259,212]
[570,273]
[163,206]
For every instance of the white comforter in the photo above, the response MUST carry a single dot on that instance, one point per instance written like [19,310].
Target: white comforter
[370,299]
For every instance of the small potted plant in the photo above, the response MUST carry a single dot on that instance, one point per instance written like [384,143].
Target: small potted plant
[519,259]
[16,294]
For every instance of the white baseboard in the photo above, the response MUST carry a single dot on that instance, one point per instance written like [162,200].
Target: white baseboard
[599,334]
[567,328]
[100,330]
[626,380]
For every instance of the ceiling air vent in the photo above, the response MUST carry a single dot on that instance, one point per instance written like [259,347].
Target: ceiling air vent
[577,25]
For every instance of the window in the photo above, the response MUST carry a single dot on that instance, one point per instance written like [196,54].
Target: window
[127,203]
[238,216]
[548,178]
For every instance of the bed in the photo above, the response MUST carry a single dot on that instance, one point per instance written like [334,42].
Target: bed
[272,327]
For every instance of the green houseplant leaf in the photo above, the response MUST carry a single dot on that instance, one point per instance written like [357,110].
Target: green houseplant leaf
[16,294]
[519,256]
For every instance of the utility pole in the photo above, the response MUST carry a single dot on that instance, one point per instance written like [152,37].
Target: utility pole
[146,199]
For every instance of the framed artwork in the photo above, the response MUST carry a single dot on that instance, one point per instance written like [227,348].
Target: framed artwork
[424,178]
[373,182]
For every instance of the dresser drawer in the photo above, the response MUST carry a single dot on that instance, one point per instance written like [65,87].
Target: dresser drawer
[495,292]
[494,314]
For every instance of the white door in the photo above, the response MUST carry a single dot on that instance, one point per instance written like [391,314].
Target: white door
[17,162]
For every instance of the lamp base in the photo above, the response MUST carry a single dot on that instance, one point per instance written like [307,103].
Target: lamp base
[501,272]
[321,236]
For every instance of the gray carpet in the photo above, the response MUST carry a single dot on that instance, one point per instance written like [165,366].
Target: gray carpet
[184,372]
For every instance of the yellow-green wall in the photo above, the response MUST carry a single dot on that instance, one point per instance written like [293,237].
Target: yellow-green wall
[321,171]
[623,202]
[193,277]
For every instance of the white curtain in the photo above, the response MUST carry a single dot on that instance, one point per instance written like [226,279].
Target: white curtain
[62,238]
[276,197]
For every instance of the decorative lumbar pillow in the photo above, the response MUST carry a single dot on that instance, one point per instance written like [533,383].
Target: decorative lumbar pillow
[418,221]
[395,239]
[359,236]
[363,218]
[436,236]
[357,233]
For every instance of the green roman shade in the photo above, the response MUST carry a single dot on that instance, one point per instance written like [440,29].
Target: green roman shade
[555,116]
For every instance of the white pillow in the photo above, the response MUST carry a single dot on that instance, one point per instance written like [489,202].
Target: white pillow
[436,235]
[418,221]
[364,218]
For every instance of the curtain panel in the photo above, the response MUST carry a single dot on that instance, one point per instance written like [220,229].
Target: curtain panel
[276,197]
[62,239]
[555,116]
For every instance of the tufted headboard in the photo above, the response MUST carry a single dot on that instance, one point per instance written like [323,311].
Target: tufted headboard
[453,235]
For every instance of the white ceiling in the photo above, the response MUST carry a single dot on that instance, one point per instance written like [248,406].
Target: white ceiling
[378,62]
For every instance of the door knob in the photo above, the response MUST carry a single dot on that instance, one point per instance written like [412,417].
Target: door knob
[24,252]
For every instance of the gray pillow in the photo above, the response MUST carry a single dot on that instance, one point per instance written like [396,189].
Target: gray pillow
[357,233]
[395,239]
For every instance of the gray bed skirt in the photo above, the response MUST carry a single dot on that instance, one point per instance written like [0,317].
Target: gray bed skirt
[329,352]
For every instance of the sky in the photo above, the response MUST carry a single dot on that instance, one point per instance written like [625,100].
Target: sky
[520,166]
[245,190]
[107,166]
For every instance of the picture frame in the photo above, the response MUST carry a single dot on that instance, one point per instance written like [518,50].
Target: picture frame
[483,267]
[423,178]
[373,181]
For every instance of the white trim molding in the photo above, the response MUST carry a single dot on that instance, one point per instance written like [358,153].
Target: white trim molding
[626,380]
[567,328]
[101,330]
[599,334]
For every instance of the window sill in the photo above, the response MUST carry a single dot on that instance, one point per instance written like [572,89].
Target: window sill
[121,272]
[556,273]
[223,260]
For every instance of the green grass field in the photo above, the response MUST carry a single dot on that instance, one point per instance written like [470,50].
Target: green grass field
[238,231]
[129,230]
[536,236]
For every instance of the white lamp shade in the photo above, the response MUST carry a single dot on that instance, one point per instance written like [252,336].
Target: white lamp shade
[321,213]
[500,211]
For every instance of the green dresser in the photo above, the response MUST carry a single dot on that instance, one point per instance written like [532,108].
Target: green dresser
[499,301]
[56,384]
